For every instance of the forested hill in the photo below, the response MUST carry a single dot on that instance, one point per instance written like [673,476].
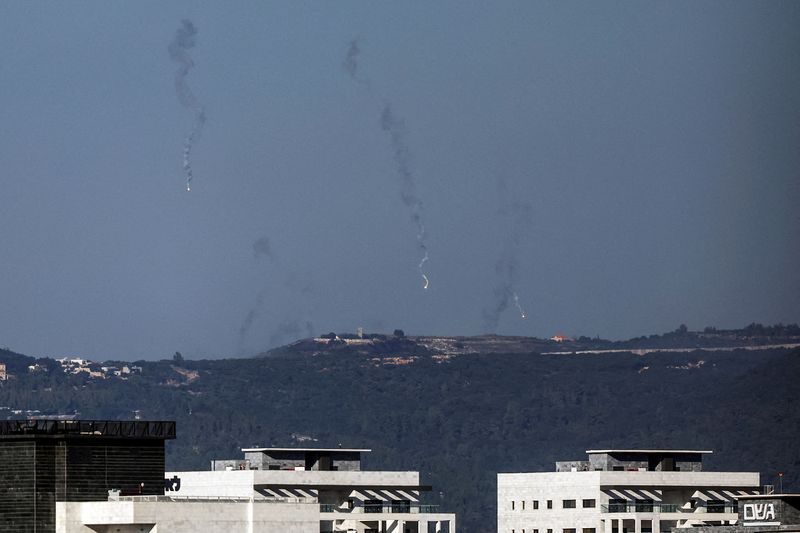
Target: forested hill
[458,420]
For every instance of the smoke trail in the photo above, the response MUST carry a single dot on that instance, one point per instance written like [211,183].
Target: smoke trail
[396,129]
[179,52]
[515,217]
[350,62]
[289,330]
[251,316]
[262,247]
[408,189]
[519,306]
[287,327]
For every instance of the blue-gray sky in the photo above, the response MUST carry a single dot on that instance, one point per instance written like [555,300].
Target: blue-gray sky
[651,149]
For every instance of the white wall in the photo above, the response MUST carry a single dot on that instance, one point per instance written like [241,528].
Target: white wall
[186,517]
[519,488]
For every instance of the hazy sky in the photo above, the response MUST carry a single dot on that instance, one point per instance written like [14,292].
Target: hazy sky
[622,167]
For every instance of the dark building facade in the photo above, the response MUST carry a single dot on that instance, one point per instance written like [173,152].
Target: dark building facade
[44,461]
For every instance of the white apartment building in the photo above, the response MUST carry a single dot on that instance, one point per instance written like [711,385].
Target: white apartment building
[270,490]
[621,491]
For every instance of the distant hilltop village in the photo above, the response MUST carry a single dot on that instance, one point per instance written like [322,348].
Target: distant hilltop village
[80,366]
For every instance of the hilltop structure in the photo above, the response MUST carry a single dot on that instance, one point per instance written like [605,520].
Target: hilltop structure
[622,491]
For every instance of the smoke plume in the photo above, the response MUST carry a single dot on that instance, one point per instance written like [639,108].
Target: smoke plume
[515,218]
[179,52]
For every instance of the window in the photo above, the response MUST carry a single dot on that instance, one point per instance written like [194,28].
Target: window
[569,530]
[535,531]
[644,506]
[523,508]
[549,531]
[589,504]
[373,506]
[549,504]
[616,505]
[535,505]
[401,506]
[617,468]
[715,506]
[513,504]
[568,504]
[588,530]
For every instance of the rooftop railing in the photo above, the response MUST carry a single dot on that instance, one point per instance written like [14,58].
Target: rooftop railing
[657,507]
[384,507]
[139,429]
[230,499]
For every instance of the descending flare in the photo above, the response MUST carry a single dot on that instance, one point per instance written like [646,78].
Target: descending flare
[519,307]
[515,217]
[422,272]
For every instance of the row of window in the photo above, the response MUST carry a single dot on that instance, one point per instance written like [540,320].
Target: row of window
[565,504]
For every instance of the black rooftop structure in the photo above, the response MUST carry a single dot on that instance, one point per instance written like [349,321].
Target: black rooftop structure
[44,461]
[122,429]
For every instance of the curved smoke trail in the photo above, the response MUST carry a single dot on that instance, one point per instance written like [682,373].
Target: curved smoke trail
[408,191]
[396,129]
[179,52]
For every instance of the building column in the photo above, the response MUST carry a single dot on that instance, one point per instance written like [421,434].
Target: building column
[607,525]
[656,525]
[637,525]
[422,526]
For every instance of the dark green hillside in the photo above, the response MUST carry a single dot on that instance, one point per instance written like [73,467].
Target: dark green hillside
[458,420]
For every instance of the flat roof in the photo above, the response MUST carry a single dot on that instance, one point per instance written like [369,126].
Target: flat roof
[767,496]
[306,450]
[649,451]
[120,429]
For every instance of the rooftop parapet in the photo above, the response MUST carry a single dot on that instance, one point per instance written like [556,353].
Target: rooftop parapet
[119,429]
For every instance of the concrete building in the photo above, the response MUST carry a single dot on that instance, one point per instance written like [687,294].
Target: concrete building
[270,490]
[621,491]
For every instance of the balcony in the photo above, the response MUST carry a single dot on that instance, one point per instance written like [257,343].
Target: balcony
[383,507]
[657,507]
